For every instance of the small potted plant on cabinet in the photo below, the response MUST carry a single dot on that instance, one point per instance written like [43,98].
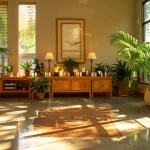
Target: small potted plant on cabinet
[39,86]
[9,69]
[102,68]
[26,66]
[70,65]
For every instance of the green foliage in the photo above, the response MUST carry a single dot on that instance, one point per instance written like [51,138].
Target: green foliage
[3,36]
[27,41]
[121,72]
[36,61]
[3,51]
[136,54]
[27,66]
[71,64]
[9,68]
[39,84]
[102,67]
[4,30]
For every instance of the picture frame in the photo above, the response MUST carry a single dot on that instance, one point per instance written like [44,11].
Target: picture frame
[70,39]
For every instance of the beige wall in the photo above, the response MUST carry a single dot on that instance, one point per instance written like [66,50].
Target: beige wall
[102,17]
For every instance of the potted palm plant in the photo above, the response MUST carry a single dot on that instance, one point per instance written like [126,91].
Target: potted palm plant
[130,50]
[136,54]
[70,65]
[26,66]
[39,86]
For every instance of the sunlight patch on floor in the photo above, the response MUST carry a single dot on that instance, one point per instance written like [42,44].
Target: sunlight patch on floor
[144,121]
[128,126]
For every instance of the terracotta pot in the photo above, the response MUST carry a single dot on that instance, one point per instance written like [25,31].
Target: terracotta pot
[27,73]
[39,95]
[147,97]
[9,74]
[122,89]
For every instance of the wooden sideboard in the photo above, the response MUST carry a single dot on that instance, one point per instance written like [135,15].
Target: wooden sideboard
[102,84]
[11,85]
[70,84]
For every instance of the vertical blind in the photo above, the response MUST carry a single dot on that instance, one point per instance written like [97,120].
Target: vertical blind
[3,32]
[3,25]
[27,32]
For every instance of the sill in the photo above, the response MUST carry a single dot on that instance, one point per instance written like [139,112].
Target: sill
[146,83]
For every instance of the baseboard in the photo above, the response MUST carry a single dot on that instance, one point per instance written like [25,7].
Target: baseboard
[140,94]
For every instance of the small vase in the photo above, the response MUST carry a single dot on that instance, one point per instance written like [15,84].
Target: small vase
[9,74]
[27,73]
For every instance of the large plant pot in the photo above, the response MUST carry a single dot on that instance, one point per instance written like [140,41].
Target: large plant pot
[122,89]
[147,97]
[39,95]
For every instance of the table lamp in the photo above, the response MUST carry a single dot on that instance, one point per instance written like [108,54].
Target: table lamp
[49,56]
[91,56]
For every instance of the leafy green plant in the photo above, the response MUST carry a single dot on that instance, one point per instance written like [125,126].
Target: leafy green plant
[136,54]
[39,84]
[27,41]
[3,35]
[71,64]
[102,67]
[9,68]
[36,61]
[4,51]
[122,72]
[27,66]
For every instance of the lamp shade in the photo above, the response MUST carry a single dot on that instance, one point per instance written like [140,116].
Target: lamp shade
[49,56]
[91,55]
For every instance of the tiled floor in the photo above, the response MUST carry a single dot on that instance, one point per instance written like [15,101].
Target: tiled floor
[74,123]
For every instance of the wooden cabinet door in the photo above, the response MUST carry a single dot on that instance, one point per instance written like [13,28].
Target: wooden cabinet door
[1,85]
[81,84]
[61,85]
[101,85]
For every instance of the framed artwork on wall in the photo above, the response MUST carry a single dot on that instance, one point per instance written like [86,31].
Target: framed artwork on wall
[70,39]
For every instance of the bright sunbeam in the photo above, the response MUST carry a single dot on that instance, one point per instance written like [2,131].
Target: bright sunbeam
[128,126]
[5,118]
[21,106]
[5,145]
[16,112]
[144,121]
[8,127]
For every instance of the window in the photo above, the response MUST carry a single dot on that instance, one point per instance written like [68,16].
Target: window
[27,32]
[3,32]
[145,29]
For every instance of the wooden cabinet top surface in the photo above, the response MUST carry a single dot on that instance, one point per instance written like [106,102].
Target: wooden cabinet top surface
[14,78]
[82,77]
[55,77]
